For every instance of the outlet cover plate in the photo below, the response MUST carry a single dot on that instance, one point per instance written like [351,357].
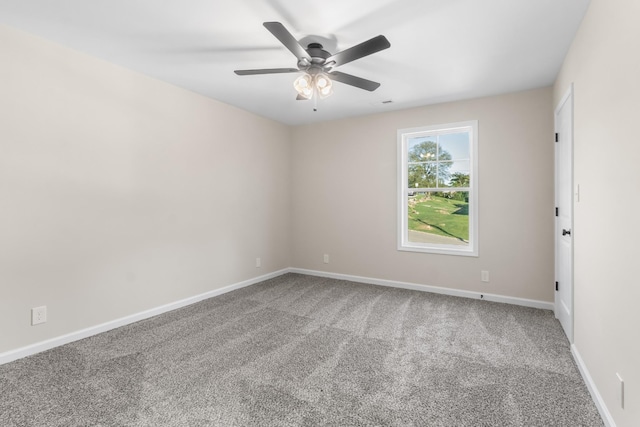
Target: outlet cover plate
[484,276]
[38,315]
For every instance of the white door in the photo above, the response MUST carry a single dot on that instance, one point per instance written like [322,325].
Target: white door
[564,213]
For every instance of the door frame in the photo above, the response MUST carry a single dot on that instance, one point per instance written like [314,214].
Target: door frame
[566,100]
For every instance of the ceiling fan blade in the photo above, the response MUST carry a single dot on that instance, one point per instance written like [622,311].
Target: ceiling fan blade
[358,51]
[301,98]
[354,81]
[266,71]
[285,37]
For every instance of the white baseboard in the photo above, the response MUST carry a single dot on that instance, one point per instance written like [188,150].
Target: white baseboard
[426,288]
[595,394]
[29,350]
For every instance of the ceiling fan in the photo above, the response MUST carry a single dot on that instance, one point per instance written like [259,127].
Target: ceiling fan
[318,65]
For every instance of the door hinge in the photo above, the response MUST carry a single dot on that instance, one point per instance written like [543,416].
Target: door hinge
[556,211]
[556,286]
[556,136]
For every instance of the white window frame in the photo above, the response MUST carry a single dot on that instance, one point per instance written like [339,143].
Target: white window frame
[403,197]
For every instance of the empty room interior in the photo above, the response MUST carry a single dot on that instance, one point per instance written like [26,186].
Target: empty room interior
[416,223]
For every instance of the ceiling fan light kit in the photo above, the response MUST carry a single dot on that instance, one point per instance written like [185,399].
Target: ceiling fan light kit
[307,84]
[318,65]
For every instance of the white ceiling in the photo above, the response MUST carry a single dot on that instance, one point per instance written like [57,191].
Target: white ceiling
[441,50]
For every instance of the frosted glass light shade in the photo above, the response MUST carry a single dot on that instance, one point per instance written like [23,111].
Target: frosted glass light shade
[303,85]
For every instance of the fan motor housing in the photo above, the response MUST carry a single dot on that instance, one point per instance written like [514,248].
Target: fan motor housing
[317,53]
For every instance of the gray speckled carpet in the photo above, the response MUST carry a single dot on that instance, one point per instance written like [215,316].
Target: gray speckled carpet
[301,350]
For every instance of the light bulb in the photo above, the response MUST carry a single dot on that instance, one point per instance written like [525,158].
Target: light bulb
[303,86]
[323,85]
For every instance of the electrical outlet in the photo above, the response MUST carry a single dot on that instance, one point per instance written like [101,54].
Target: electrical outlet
[621,390]
[258,263]
[484,275]
[326,258]
[38,315]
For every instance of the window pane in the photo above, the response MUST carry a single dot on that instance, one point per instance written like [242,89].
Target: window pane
[439,217]
[458,174]
[454,146]
[422,175]
[422,149]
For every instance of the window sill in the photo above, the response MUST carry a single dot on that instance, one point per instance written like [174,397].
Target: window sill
[444,250]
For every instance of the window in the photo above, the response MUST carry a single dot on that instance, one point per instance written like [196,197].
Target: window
[438,189]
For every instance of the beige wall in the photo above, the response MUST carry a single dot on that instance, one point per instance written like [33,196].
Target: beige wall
[604,65]
[120,193]
[344,197]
